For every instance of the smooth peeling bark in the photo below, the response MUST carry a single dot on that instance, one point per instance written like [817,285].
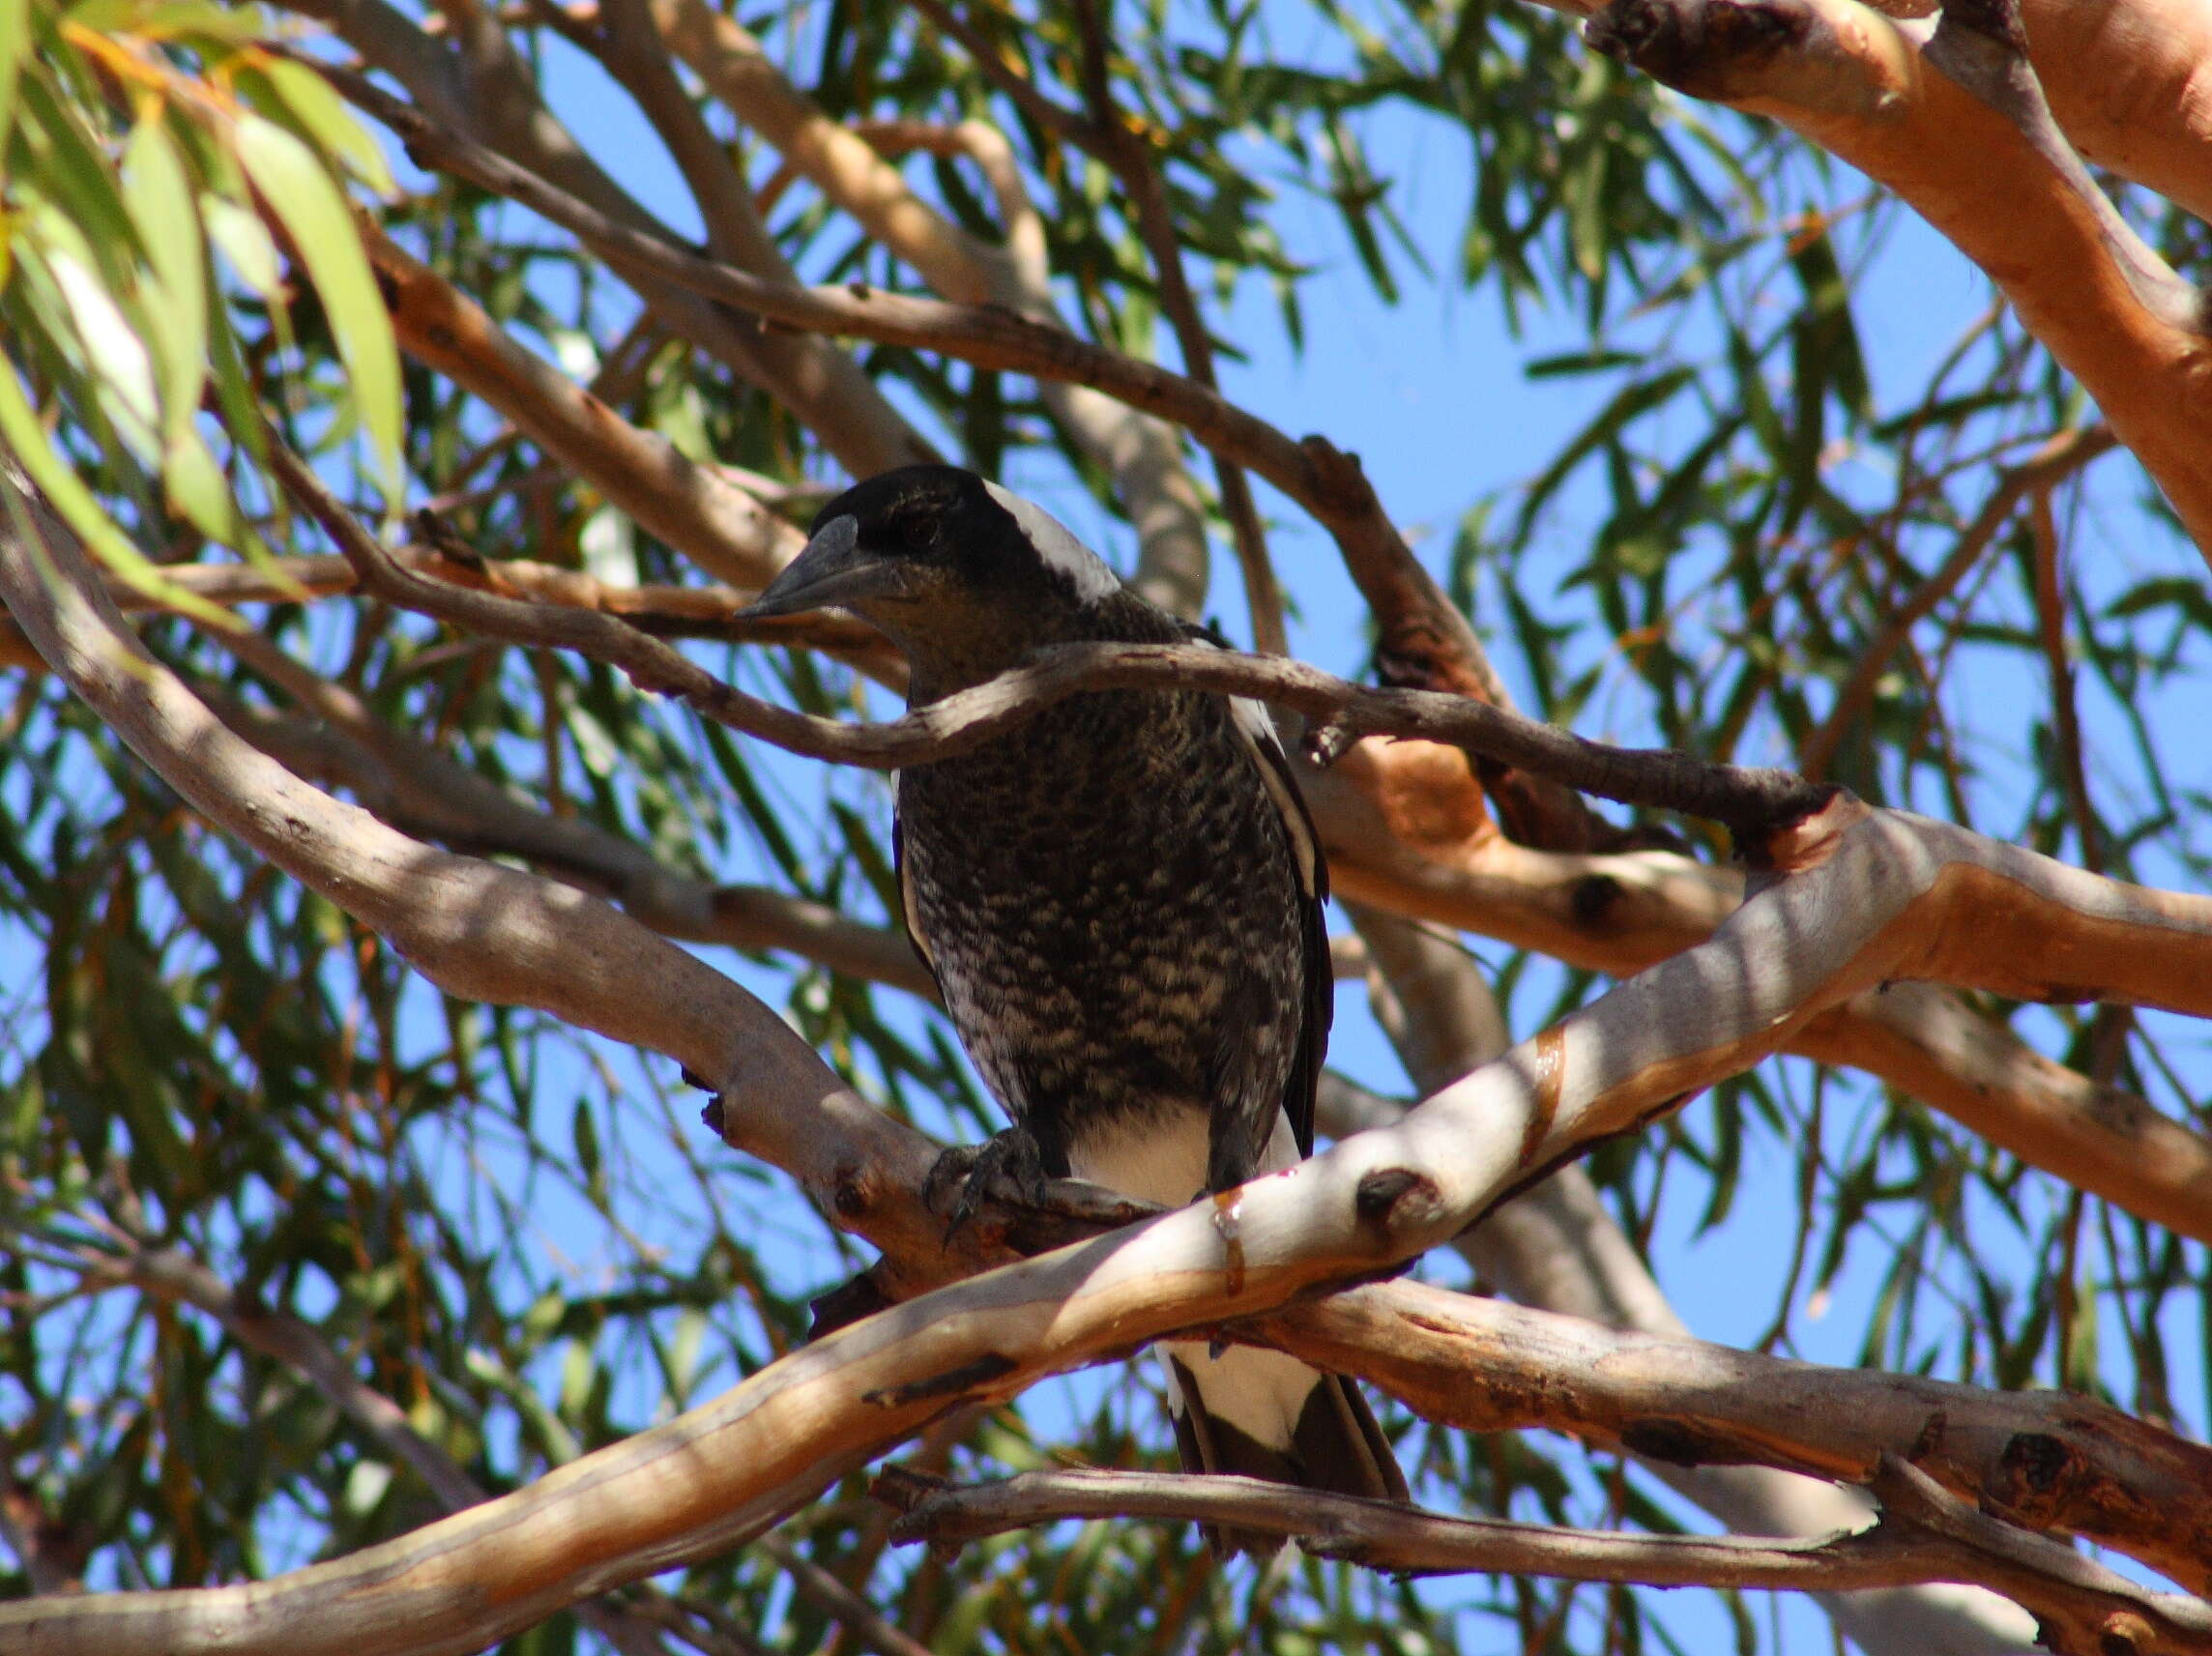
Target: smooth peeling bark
[1558,1248]
[1925,1536]
[2130,82]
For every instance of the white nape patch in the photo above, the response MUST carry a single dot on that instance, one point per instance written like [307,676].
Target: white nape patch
[1093,576]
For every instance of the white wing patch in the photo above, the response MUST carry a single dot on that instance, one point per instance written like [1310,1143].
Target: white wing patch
[1093,576]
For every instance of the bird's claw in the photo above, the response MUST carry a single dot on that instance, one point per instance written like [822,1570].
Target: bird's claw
[1011,1155]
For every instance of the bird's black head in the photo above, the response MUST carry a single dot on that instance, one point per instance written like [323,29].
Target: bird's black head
[963,576]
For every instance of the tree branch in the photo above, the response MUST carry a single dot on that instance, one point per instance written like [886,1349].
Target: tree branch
[692,509]
[1557,1248]
[1925,1535]
[481,84]
[1318,476]
[2058,457]
[1621,914]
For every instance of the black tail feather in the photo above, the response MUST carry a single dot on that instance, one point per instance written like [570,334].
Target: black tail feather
[1337,1446]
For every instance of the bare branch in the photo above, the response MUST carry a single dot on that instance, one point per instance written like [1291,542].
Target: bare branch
[1755,802]
[1321,479]
[724,1471]
[426,794]
[481,84]
[1143,456]
[2058,459]
[1925,1535]
[1111,137]
[1397,846]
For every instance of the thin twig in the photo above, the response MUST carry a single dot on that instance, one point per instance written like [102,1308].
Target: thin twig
[2065,713]
[2058,459]
[1324,480]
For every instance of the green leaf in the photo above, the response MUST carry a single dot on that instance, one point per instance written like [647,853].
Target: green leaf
[14,44]
[197,488]
[172,19]
[245,242]
[298,190]
[158,194]
[77,506]
[284,88]
[117,358]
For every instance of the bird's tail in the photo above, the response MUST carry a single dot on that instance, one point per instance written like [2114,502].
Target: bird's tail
[1262,1414]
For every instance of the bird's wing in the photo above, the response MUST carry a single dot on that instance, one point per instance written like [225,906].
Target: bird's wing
[1257,730]
[909,910]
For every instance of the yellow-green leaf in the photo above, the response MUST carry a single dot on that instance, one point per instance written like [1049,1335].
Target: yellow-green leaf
[307,203]
[323,117]
[170,19]
[159,196]
[198,490]
[114,352]
[15,41]
[66,492]
[247,244]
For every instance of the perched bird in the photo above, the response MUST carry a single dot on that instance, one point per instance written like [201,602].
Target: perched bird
[1121,900]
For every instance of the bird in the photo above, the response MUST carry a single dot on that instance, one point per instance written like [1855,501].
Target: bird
[1121,900]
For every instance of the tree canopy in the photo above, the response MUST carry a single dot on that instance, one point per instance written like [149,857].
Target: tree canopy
[400,403]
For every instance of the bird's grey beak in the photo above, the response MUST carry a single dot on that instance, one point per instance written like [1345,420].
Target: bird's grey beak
[831,570]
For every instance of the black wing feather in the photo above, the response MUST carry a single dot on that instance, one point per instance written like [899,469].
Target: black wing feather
[1317,977]
[1320,976]
[908,913]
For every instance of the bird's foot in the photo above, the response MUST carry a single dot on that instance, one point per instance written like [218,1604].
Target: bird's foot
[1012,1155]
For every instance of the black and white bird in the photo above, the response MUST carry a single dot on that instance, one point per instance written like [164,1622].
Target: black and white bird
[1121,900]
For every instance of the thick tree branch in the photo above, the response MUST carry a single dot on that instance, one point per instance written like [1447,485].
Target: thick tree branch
[1758,804]
[1557,1248]
[1487,1366]
[171,1275]
[426,794]
[1400,844]
[2130,82]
